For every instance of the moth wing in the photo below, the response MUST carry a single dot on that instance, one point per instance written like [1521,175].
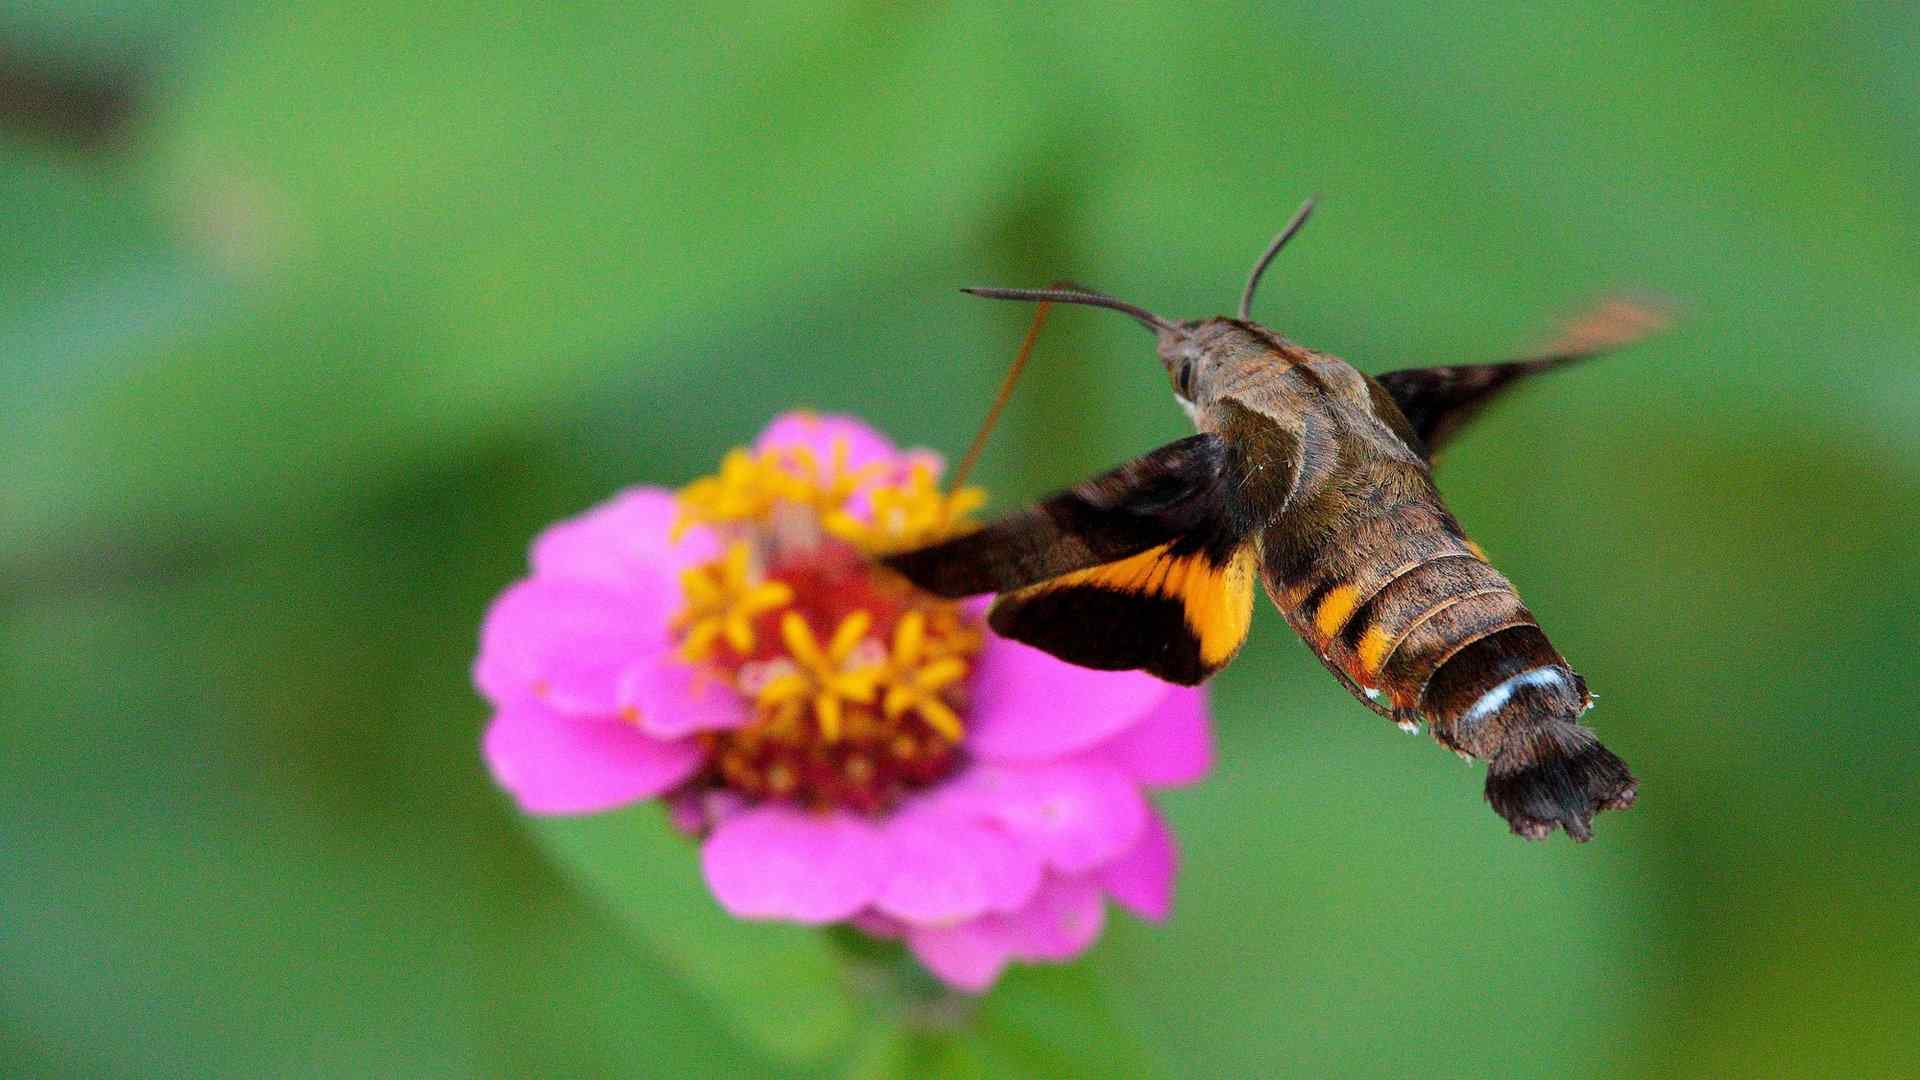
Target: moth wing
[1179,610]
[1439,401]
[1144,503]
[1147,567]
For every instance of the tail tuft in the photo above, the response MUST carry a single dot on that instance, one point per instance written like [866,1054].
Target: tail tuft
[1557,775]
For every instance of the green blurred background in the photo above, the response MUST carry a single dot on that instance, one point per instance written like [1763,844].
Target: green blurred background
[309,320]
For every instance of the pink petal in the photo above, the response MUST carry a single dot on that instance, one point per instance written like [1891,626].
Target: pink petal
[1172,746]
[967,957]
[1029,706]
[623,542]
[1074,815]
[668,699]
[777,862]
[819,434]
[555,764]
[950,869]
[1064,918]
[566,643]
[1142,880]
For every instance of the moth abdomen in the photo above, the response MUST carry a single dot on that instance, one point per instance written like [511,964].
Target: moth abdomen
[1432,632]
[1557,774]
[1398,635]
[1509,698]
[1496,680]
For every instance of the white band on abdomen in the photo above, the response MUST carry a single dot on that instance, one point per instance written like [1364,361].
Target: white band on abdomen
[1491,701]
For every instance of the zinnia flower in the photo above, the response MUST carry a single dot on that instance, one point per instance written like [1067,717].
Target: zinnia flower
[846,748]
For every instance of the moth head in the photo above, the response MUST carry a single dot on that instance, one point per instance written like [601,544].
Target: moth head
[1205,354]
[1193,358]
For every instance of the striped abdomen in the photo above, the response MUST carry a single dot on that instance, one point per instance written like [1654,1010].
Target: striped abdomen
[1406,608]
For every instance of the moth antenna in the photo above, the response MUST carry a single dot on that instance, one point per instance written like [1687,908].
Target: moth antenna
[1077,296]
[1293,226]
[965,468]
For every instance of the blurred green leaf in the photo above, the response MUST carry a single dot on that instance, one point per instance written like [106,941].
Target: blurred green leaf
[780,985]
[1059,1021]
[1038,1020]
[908,1054]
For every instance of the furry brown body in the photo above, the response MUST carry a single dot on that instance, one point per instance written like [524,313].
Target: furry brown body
[1318,480]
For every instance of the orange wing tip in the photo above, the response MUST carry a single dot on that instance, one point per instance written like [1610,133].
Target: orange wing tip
[1614,321]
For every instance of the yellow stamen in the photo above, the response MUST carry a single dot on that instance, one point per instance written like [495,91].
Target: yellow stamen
[825,489]
[908,514]
[745,489]
[903,513]
[723,599]
[824,674]
[915,679]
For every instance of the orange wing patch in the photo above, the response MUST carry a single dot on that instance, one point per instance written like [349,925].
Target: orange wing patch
[1217,600]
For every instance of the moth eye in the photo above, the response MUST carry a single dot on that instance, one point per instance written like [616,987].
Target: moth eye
[1183,382]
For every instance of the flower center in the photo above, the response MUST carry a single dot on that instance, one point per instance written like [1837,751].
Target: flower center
[857,680]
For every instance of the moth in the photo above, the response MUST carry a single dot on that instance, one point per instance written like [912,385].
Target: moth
[1317,479]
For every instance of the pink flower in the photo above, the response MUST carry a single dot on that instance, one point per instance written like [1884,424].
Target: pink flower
[848,749]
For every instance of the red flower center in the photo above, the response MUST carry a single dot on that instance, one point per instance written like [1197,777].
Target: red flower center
[857,679]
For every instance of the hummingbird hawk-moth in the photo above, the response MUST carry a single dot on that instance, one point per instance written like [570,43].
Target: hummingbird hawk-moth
[1318,480]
